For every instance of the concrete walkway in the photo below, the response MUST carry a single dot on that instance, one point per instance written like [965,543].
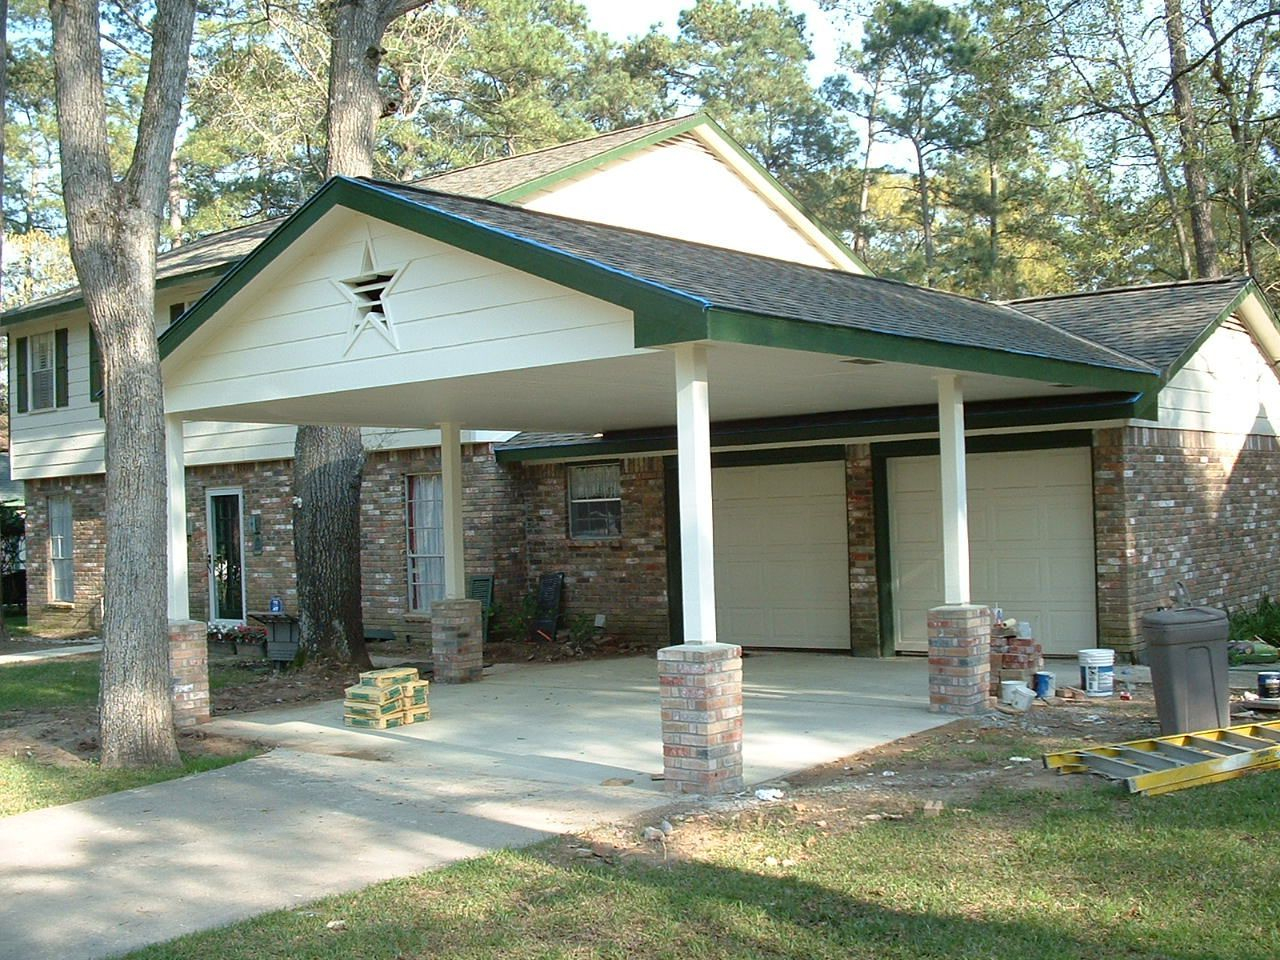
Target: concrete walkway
[51,653]
[528,752]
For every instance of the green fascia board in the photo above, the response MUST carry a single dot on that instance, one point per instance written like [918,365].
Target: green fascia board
[40,311]
[736,326]
[642,297]
[516,194]
[852,426]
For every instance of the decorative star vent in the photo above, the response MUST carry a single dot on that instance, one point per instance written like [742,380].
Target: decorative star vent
[369,292]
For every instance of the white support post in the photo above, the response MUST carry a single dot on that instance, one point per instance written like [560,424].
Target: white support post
[693,460]
[455,584]
[176,486]
[955,493]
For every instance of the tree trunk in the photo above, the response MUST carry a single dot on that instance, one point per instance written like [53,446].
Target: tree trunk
[112,227]
[328,460]
[1192,149]
[926,213]
[860,237]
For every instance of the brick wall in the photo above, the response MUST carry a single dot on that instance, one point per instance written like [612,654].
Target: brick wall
[624,578]
[1183,505]
[88,504]
[864,604]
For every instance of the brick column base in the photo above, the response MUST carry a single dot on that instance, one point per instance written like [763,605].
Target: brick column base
[701,686]
[189,671]
[457,641]
[959,659]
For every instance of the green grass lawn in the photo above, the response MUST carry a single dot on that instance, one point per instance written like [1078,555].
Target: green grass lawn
[1080,874]
[49,684]
[29,785]
[58,686]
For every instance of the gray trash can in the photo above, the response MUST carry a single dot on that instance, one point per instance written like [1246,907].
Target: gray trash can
[1187,651]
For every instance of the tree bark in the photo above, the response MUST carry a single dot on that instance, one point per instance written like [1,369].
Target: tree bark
[328,460]
[926,212]
[1193,166]
[113,227]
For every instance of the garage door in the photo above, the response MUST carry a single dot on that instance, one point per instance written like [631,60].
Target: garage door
[1030,542]
[782,555]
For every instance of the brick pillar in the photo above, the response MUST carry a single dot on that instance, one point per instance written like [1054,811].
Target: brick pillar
[457,641]
[701,687]
[189,671]
[959,659]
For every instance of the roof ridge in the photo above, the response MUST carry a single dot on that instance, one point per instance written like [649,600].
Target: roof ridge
[550,147]
[1130,288]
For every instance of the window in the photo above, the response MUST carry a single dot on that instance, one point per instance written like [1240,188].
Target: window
[62,574]
[38,371]
[595,501]
[424,513]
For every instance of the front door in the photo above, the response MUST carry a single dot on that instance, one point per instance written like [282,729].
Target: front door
[226,556]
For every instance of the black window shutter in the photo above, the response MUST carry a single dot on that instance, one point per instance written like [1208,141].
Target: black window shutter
[61,395]
[18,356]
[95,367]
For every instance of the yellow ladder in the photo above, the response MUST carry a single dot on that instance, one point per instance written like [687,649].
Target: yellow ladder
[1164,764]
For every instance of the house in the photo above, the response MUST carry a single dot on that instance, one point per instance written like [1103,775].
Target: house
[1092,449]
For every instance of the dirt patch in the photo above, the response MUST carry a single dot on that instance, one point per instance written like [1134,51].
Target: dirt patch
[947,766]
[243,685]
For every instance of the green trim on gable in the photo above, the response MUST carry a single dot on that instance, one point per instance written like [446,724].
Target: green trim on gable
[735,326]
[515,194]
[1246,291]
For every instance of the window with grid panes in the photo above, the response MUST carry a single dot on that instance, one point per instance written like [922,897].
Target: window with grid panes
[595,501]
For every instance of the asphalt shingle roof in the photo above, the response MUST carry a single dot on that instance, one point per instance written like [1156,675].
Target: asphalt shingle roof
[1156,323]
[733,280]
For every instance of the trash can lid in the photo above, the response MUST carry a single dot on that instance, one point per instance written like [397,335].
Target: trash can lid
[1182,615]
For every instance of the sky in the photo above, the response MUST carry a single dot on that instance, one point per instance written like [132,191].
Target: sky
[621,19]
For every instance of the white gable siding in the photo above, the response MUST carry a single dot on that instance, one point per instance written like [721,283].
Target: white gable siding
[287,334]
[680,189]
[1226,387]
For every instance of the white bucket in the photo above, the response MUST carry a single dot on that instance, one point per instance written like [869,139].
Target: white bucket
[1022,697]
[1097,672]
[1006,690]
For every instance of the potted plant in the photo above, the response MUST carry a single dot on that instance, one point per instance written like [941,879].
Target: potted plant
[249,641]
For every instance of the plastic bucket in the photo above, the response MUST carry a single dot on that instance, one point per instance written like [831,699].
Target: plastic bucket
[1006,690]
[1097,671]
[1268,684]
[1021,697]
[1044,683]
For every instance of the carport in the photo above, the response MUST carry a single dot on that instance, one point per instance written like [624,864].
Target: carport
[390,306]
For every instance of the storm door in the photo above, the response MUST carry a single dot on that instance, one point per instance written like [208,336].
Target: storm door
[226,556]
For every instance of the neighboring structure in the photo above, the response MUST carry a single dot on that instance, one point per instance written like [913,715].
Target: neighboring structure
[1117,442]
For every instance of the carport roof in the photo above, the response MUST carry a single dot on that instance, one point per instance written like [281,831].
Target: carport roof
[682,291]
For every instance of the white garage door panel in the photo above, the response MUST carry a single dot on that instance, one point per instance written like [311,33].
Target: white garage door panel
[782,555]
[1031,543]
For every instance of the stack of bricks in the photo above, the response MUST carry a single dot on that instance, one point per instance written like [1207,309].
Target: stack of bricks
[457,641]
[189,671]
[384,699]
[1013,658]
[701,688]
[959,659]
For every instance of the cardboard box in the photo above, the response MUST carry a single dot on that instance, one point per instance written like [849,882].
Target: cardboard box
[390,677]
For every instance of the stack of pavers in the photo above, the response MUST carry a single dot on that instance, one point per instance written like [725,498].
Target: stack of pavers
[386,698]
[1013,657]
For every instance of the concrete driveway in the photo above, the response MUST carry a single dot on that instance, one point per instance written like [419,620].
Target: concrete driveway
[528,752]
